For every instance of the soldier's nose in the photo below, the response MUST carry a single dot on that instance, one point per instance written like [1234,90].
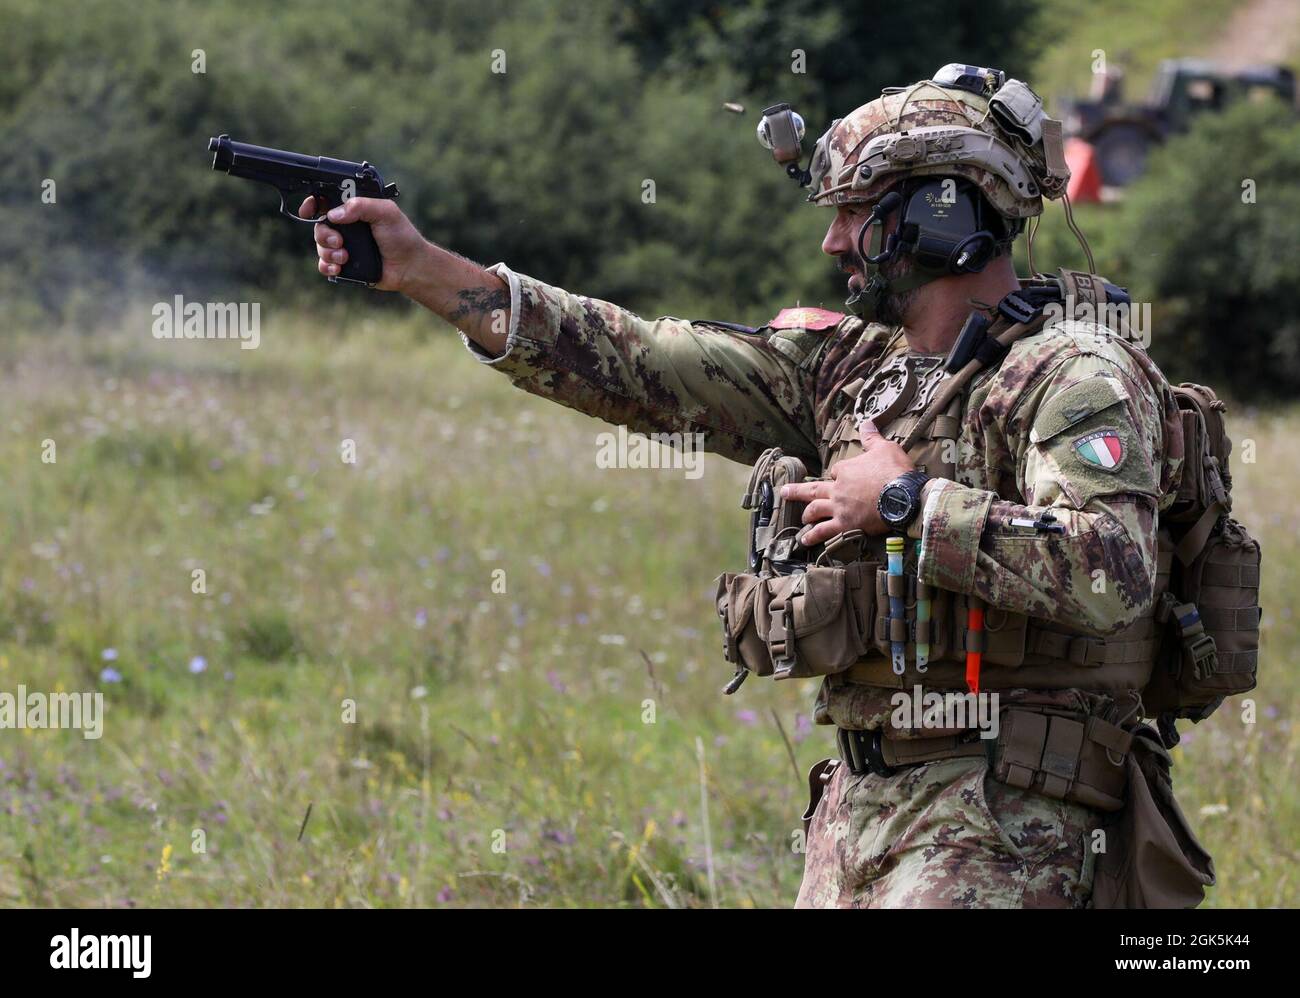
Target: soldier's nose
[833,243]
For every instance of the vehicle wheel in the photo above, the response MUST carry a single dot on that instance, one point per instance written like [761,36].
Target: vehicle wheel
[1122,150]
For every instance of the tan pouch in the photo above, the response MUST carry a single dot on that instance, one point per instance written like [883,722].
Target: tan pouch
[1152,858]
[1004,635]
[1080,760]
[815,623]
[742,645]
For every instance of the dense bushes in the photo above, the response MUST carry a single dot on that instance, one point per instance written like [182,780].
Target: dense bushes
[1222,269]
[544,165]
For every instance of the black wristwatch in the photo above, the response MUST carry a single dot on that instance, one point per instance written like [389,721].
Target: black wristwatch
[900,500]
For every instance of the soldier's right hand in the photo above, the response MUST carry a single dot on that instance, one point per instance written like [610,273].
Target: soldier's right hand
[400,244]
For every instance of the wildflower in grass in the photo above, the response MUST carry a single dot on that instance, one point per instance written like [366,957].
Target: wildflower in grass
[544,569]
[110,675]
[556,682]
[165,864]
[419,693]
[442,554]
[421,617]
[802,727]
[747,717]
[445,895]
[109,654]
[198,664]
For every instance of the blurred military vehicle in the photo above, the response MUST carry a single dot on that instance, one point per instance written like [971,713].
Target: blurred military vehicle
[1120,136]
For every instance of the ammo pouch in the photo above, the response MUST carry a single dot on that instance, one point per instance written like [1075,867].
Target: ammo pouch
[796,612]
[1151,859]
[810,623]
[1075,758]
[817,622]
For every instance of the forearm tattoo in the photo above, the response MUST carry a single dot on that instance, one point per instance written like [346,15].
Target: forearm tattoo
[479,301]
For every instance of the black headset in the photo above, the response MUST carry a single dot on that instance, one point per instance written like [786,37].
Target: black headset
[946,223]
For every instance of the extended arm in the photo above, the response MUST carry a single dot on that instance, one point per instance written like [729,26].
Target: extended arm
[744,392]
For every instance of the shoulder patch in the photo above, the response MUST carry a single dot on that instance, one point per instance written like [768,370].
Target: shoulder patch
[1102,449]
[1075,404]
[806,318]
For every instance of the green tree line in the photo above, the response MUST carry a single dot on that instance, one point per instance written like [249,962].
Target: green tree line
[600,159]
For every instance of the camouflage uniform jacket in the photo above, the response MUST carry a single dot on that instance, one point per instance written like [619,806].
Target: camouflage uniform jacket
[789,387]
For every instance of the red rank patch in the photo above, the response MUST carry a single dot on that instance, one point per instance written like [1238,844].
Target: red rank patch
[806,318]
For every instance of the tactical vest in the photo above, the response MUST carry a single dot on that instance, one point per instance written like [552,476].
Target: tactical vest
[829,614]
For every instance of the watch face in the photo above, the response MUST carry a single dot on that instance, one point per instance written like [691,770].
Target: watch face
[895,504]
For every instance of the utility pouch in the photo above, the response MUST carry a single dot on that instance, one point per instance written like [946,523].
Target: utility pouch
[1151,858]
[815,623]
[1075,759]
[1211,610]
[741,644]
[1213,646]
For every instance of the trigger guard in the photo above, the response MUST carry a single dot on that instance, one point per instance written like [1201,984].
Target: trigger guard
[298,218]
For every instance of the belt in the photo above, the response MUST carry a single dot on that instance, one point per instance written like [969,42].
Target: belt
[1072,757]
[872,752]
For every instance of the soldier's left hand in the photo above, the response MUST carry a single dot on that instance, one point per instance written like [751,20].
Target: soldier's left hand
[848,501]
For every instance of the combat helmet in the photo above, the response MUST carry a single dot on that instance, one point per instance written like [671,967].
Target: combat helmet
[965,122]
[964,158]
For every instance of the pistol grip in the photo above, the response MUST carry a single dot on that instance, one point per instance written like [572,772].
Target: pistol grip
[365,263]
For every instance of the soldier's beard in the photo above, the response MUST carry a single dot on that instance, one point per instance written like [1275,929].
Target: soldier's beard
[893,307]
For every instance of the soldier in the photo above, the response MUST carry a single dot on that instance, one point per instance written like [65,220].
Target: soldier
[1033,484]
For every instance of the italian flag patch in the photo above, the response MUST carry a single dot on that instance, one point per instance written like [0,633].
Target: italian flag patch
[1102,449]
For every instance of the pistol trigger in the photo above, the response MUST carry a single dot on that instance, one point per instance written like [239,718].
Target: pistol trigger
[293,216]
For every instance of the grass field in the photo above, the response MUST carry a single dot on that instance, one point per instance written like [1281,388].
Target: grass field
[560,743]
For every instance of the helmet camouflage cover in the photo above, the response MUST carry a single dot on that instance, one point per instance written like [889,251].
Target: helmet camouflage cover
[1000,141]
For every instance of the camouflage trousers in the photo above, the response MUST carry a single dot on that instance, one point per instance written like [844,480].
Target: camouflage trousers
[944,835]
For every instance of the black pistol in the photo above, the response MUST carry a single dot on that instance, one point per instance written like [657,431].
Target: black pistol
[329,181]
